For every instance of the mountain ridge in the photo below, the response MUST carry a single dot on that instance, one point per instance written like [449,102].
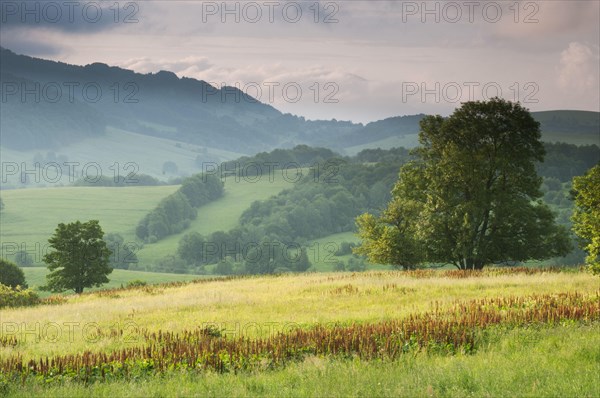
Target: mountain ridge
[191,111]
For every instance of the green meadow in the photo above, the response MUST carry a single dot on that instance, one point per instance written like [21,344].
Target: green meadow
[511,359]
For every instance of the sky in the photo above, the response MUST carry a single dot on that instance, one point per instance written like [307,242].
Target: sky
[346,60]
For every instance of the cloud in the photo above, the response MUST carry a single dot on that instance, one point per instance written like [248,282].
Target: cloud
[181,67]
[578,69]
[29,44]
[316,87]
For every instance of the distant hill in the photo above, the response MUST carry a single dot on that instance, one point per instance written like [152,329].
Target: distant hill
[68,107]
[573,127]
[72,104]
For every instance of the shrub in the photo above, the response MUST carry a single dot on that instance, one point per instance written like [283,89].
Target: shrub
[11,275]
[17,297]
[224,267]
[345,248]
[136,283]
[339,266]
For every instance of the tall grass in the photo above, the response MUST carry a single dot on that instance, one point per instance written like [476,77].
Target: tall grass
[448,330]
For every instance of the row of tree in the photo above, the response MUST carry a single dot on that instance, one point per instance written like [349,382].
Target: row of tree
[174,213]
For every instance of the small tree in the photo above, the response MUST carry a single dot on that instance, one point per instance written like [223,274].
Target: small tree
[301,263]
[11,275]
[80,259]
[586,217]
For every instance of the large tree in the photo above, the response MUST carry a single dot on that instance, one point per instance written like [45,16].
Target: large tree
[586,217]
[80,258]
[471,197]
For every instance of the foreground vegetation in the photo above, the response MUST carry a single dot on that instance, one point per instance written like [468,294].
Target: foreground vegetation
[514,363]
[437,332]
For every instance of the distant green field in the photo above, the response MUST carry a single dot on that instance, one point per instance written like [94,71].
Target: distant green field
[36,277]
[31,215]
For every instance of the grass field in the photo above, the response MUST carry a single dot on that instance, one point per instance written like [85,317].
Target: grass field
[36,277]
[31,215]
[556,359]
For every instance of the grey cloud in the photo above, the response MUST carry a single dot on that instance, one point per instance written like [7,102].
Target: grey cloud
[22,44]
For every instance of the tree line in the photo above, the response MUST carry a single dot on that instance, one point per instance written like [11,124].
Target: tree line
[175,212]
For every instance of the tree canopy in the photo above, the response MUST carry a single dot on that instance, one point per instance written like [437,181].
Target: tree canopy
[471,197]
[586,217]
[80,258]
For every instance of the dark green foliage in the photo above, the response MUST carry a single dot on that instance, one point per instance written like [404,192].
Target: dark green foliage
[80,258]
[224,267]
[345,248]
[565,161]
[356,264]
[123,254]
[11,275]
[192,248]
[301,263]
[172,265]
[265,162]
[586,218]
[339,266]
[471,197]
[326,201]
[174,213]
[381,155]
[136,283]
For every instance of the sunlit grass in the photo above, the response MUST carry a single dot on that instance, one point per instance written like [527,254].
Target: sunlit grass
[257,306]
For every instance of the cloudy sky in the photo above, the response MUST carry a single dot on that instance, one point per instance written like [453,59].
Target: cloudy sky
[349,60]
